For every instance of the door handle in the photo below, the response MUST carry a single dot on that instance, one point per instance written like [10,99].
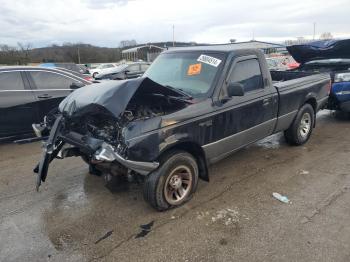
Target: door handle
[44,96]
[266,101]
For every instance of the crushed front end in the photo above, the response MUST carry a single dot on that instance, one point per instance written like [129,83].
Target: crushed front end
[96,122]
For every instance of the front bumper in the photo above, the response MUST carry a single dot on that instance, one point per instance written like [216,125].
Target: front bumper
[108,154]
[96,148]
[345,106]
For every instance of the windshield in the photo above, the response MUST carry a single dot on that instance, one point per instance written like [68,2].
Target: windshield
[192,73]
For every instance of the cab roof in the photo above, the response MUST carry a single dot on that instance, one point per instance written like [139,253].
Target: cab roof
[214,48]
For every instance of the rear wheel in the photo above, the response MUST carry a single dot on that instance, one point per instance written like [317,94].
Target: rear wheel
[300,130]
[173,183]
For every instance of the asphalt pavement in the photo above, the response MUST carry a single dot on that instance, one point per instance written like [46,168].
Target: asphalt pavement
[80,217]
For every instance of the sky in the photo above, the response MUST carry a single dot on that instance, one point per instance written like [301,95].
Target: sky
[107,22]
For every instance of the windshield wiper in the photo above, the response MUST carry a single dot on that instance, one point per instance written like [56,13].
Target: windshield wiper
[180,91]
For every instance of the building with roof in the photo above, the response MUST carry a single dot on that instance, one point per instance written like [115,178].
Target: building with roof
[144,52]
[149,52]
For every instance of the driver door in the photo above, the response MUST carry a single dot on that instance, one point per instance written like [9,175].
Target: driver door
[241,120]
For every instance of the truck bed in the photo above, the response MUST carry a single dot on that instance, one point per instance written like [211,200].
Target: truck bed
[281,76]
[294,89]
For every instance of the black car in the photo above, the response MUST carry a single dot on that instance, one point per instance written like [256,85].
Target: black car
[27,94]
[192,107]
[70,66]
[87,77]
[125,71]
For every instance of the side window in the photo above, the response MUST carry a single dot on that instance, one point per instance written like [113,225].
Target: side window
[144,67]
[248,73]
[134,68]
[48,80]
[11,81]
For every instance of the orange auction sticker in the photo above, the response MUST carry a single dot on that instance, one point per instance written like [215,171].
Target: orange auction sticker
[194,69]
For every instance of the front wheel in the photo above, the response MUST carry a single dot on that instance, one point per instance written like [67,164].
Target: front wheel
[300,130]
[173,183]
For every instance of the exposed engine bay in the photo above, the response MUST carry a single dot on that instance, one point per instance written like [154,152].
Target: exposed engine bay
[109,128]
[147,106]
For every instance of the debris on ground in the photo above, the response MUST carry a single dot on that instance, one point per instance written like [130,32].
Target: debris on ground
[281,198]
[147,226]
[109,233]
[145,229]
[202,214]
[303,172]
[227,216]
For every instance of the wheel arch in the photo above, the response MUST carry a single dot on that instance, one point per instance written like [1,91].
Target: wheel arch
[313,102]
[196,151]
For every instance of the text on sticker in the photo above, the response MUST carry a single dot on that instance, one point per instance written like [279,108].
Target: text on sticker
[209,60]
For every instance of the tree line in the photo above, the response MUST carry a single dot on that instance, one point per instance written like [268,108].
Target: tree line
[78,53]
[23,54]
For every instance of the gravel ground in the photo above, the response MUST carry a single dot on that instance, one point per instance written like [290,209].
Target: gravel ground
[80,217]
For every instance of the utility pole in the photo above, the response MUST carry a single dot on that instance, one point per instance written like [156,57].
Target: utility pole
[314,31]
[173,35]
[78,56]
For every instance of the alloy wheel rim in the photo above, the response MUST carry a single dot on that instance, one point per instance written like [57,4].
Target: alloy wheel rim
[305,125]
[178,185]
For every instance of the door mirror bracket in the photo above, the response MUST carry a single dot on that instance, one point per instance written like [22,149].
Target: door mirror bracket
[235,89]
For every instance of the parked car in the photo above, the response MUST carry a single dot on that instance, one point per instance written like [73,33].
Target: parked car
[293,65]
[332,56]
[83,69]
[69,66]
[275,64]
[27,94]
[87,77]
[193,107]
[125,71]
[102,69]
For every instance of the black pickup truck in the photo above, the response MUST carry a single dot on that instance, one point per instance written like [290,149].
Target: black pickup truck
[193,107]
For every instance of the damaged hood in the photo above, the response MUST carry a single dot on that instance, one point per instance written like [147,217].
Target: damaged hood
[327,49]
[113,96]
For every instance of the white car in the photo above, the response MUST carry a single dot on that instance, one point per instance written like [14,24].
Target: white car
[102,69]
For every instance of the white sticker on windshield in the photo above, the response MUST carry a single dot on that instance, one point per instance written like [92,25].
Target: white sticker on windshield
[209,60]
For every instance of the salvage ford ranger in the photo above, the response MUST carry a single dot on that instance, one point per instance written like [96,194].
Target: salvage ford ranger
[192,107]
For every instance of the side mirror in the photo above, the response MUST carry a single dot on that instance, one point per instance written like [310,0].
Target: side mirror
[127,72]
[235,89]
[75,85]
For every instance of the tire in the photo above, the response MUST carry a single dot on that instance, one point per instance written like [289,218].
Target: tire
[92,168]
[94,75]
[166,188]
[86,159]
[300,130]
